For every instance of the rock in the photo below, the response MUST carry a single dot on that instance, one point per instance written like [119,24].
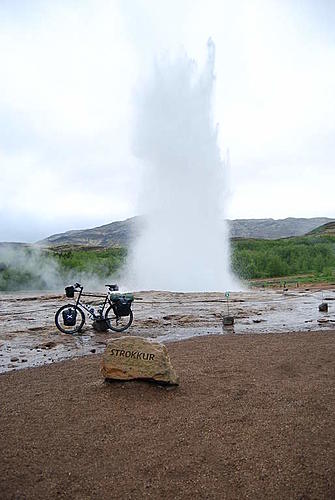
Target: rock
[100,325]
[14,358]
[323,307]
[129,358]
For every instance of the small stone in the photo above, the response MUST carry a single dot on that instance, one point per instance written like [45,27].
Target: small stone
[13,359]
[24,360]
[93,350]
[323,307]
[46,345]
[129,358]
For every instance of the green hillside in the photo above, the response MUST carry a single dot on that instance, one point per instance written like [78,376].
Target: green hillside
[325,229]
[307,258]
[31,268]
[312,255]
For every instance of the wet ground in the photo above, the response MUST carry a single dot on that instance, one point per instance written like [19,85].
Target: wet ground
[29,337]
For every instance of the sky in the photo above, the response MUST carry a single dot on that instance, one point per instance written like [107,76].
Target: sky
[68,77]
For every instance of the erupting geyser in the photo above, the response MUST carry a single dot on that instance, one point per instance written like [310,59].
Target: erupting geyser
[184,245]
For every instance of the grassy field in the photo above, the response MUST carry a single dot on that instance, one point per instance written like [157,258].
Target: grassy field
[99,262]
[304,259]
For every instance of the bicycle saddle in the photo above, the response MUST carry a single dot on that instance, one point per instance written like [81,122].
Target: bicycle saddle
[113,288]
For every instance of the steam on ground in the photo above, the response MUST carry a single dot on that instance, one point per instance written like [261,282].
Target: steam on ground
[24,267]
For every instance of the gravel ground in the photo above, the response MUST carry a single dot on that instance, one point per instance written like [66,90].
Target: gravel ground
[252,418]
[29,337]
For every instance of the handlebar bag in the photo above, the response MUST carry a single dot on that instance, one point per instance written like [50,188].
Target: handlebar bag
[69,316]
[69,291]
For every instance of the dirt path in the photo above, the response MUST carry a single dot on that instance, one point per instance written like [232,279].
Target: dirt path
[252,418]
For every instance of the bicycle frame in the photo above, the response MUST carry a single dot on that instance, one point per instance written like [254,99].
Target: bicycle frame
[84,306]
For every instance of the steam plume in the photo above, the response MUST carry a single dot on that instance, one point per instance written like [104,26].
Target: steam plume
[184,246]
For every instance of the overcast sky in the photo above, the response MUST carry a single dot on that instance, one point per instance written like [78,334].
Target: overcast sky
[68,74]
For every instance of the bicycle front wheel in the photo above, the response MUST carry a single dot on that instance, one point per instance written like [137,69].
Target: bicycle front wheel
[62,319]
[118,323]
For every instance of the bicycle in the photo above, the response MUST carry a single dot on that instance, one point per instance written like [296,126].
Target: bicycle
[115,312]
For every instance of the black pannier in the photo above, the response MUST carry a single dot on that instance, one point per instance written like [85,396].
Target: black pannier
[122,306]
[69,291]
[69,316]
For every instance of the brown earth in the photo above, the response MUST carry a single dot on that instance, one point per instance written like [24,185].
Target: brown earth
[252,418]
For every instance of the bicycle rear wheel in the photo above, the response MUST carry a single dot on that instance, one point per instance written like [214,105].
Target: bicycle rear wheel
[77,323]
[118,323]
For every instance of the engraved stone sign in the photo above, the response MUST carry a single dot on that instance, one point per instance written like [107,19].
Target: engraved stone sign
[129,358]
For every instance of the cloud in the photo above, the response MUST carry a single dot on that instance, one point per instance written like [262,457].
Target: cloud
[64,116]
[69,72]
[65,67]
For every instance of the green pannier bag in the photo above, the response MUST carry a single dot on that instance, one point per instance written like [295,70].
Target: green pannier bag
[122,303]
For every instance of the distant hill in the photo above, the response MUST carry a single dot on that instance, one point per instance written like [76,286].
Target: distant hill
[274,228]
[115,234]
[328,228]
[122,233]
